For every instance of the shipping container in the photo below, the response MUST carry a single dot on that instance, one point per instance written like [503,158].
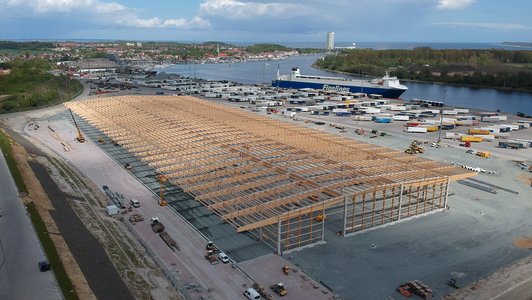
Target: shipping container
[401,118]
[432,128]
[469,138]
[383,120]
[417,129]
[363,118]
[487,137]
[478,131]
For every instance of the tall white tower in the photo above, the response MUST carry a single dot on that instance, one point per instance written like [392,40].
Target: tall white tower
[330,40]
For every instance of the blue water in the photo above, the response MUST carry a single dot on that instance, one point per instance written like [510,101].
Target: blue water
[260,71]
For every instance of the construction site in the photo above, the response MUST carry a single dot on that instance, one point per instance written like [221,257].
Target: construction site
[280,183]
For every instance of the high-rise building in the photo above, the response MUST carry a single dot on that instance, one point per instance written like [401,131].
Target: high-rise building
[330,40]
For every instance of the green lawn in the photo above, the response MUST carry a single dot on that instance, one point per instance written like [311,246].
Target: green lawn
[51,253]
[7,150]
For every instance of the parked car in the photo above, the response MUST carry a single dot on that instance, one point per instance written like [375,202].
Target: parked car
[223,257]
[252,294]
[44,266]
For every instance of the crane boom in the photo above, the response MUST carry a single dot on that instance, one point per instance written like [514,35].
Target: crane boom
[80,136]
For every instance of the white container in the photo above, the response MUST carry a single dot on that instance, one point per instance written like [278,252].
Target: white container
[450,112]
[363,118]
[417,129]
[401,118]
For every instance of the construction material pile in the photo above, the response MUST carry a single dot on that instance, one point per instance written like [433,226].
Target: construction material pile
[414,148]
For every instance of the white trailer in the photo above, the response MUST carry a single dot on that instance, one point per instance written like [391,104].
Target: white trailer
[417,129]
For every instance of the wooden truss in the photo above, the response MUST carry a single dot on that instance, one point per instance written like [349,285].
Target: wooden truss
[255,171]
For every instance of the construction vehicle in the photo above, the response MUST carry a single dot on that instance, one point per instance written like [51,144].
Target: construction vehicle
[211,257]
[404,290]
[286,269]
[320,217]
[156,225]
[80,136]
[262,291]
[279,289]
[211,247]
[359,131]
[484,154]
[414,148]
[452,283]
[415,287]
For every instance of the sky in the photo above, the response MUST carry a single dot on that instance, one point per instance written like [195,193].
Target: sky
[269,21]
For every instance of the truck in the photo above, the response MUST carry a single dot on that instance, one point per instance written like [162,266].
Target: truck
[469,138]
[211,257]
[156,225]
[279,289]
[415,287]
[416,129]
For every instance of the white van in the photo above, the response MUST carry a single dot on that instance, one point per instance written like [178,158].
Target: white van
[134,202]
[252,294]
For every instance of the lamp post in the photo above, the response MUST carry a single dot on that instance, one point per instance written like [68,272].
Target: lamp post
[441,116]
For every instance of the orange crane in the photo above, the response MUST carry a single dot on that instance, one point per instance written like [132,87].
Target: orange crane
[80,136]
[162,179]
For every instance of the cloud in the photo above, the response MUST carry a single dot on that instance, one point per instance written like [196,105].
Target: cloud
[234,9]
[453,4]
[104,12]
[496,26]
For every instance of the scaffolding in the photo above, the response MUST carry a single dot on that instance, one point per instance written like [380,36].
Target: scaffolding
[269,177]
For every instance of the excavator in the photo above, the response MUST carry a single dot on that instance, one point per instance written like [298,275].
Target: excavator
[80,136]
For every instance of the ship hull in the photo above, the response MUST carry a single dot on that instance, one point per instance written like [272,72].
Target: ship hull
[385,92]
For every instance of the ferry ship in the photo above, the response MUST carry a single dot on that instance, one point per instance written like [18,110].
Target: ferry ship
[387,86]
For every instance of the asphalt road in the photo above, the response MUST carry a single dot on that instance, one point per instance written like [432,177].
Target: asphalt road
[20,250]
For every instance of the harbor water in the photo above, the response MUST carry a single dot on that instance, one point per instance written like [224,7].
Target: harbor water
[265,71]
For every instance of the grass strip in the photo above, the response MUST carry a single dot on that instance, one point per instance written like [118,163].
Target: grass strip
[7,150]
[51,253]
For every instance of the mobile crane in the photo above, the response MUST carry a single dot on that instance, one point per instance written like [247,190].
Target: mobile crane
[80,136]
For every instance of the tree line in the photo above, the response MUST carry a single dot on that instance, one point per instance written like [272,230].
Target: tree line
[25,45]
[510,69]
[29,85]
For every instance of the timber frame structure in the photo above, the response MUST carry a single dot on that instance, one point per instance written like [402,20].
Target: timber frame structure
[277,180]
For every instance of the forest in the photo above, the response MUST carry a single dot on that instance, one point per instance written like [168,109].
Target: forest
[29,85]
[502,69]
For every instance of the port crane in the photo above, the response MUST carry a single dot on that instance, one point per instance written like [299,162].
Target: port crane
[80,136]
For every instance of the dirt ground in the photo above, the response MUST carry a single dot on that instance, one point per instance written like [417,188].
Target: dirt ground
[37,195]
[141,274]
[523,242]
[511,282]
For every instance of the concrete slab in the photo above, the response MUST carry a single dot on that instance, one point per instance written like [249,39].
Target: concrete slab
[267,270]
